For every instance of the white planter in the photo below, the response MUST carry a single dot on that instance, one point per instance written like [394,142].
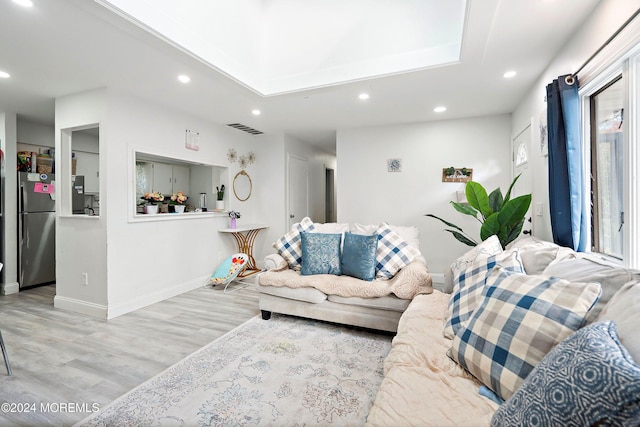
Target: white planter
[151,209]
[219,205]
[179,208]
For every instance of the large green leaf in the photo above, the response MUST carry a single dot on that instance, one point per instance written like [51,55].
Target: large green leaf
[495,200]
[477,197]
[507,197]
[465,209]
[447,223]
[512,234]
[462,238]
[490,226]
[514,210]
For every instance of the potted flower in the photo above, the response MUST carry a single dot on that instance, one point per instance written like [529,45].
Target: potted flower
[151,201]
[177,201]
[220,198]
[234,215]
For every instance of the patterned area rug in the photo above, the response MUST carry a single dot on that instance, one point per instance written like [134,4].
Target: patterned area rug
[284,371]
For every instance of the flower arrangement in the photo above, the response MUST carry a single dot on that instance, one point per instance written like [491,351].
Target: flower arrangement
[178,198]
[234,214]
[153,198]
[220,192]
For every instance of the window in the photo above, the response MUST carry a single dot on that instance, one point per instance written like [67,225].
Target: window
[607,169]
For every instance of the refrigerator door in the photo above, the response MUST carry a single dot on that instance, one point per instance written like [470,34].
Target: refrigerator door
[37,248]
[34,194]
[77,194]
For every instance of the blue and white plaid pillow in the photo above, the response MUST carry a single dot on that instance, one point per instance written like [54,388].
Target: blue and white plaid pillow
[520,319]
[393,252]
[290,245]
[468,286]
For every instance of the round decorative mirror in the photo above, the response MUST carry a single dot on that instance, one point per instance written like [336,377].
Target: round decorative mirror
[242,186]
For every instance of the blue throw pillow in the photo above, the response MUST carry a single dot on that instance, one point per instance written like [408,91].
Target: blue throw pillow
[587,379]
[359,256]
[320,253]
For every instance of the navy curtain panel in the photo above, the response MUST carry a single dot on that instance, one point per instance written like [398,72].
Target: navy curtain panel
[566,183]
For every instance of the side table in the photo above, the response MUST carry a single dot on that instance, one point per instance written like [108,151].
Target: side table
[245,238]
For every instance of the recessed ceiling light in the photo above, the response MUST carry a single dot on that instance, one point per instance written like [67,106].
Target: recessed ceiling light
[256,112]
[4,75]
[24,3]
[184,78]
[509,74]
[440,109]
[363,96]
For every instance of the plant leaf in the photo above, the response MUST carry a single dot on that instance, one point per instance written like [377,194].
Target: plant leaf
[465,209]
[447,223]
[495,200]
[490,226]
[507,197]
[477,197]
[511,234]
[514,210]
[462,238]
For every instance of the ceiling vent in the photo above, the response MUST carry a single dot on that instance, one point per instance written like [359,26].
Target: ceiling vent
[244,128]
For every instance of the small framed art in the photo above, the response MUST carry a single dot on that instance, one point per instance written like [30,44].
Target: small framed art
[394,165]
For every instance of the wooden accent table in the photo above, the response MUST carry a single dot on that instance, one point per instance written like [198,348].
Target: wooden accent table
[245,238]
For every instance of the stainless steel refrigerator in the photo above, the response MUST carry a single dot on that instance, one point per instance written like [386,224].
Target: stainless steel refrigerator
[36,229]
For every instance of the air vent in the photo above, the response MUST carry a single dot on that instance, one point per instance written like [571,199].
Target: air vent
[244,128]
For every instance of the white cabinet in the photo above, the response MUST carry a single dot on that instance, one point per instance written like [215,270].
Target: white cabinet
[181,179]
[169,179]
[88,165]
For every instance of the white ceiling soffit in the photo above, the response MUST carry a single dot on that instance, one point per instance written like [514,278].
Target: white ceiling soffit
[281,46]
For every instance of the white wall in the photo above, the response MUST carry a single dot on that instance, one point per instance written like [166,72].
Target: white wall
[8,137]
[604,21]
[368,194]
[133,263]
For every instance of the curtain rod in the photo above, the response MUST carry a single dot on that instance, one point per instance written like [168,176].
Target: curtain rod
[605,44]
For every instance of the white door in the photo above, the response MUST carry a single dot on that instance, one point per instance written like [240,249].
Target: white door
[297,189]
[163,178]
[88,165]
[181,179]
[521,152]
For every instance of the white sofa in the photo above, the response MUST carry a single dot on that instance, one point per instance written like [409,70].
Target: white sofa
[344,299]
[424,386]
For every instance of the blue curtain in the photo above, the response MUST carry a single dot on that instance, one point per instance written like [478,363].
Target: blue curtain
[566,183]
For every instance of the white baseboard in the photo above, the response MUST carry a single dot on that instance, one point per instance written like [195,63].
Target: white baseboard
[129,306]
[10,288]
[79,306]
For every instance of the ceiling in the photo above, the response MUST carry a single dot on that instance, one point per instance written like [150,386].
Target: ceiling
[59,47]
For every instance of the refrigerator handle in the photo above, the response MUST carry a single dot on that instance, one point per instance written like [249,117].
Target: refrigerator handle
[22,197]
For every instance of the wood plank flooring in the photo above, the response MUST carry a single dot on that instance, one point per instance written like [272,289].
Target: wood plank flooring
[61,358]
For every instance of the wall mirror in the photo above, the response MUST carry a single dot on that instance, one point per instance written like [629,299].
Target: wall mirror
[242,186]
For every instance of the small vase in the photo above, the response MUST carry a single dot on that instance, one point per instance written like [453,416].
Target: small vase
[219,205]
[233,223]
[179,208]
[151,209]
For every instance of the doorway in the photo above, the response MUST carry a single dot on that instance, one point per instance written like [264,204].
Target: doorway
[297,189]
[330,214]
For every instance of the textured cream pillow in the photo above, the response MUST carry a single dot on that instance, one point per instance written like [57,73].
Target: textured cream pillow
[624,309]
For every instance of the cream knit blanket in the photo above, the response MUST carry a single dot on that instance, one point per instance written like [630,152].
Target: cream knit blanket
[412,280]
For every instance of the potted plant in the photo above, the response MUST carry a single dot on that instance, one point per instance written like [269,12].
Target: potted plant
[220,198]
[234,215]
[178,201]
[498,215]
[151,201]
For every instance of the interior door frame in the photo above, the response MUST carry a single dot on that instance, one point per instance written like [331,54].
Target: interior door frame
[288,196]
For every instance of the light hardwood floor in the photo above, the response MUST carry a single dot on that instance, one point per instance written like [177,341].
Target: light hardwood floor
[61,358]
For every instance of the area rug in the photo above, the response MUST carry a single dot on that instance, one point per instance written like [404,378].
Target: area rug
[284,371]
